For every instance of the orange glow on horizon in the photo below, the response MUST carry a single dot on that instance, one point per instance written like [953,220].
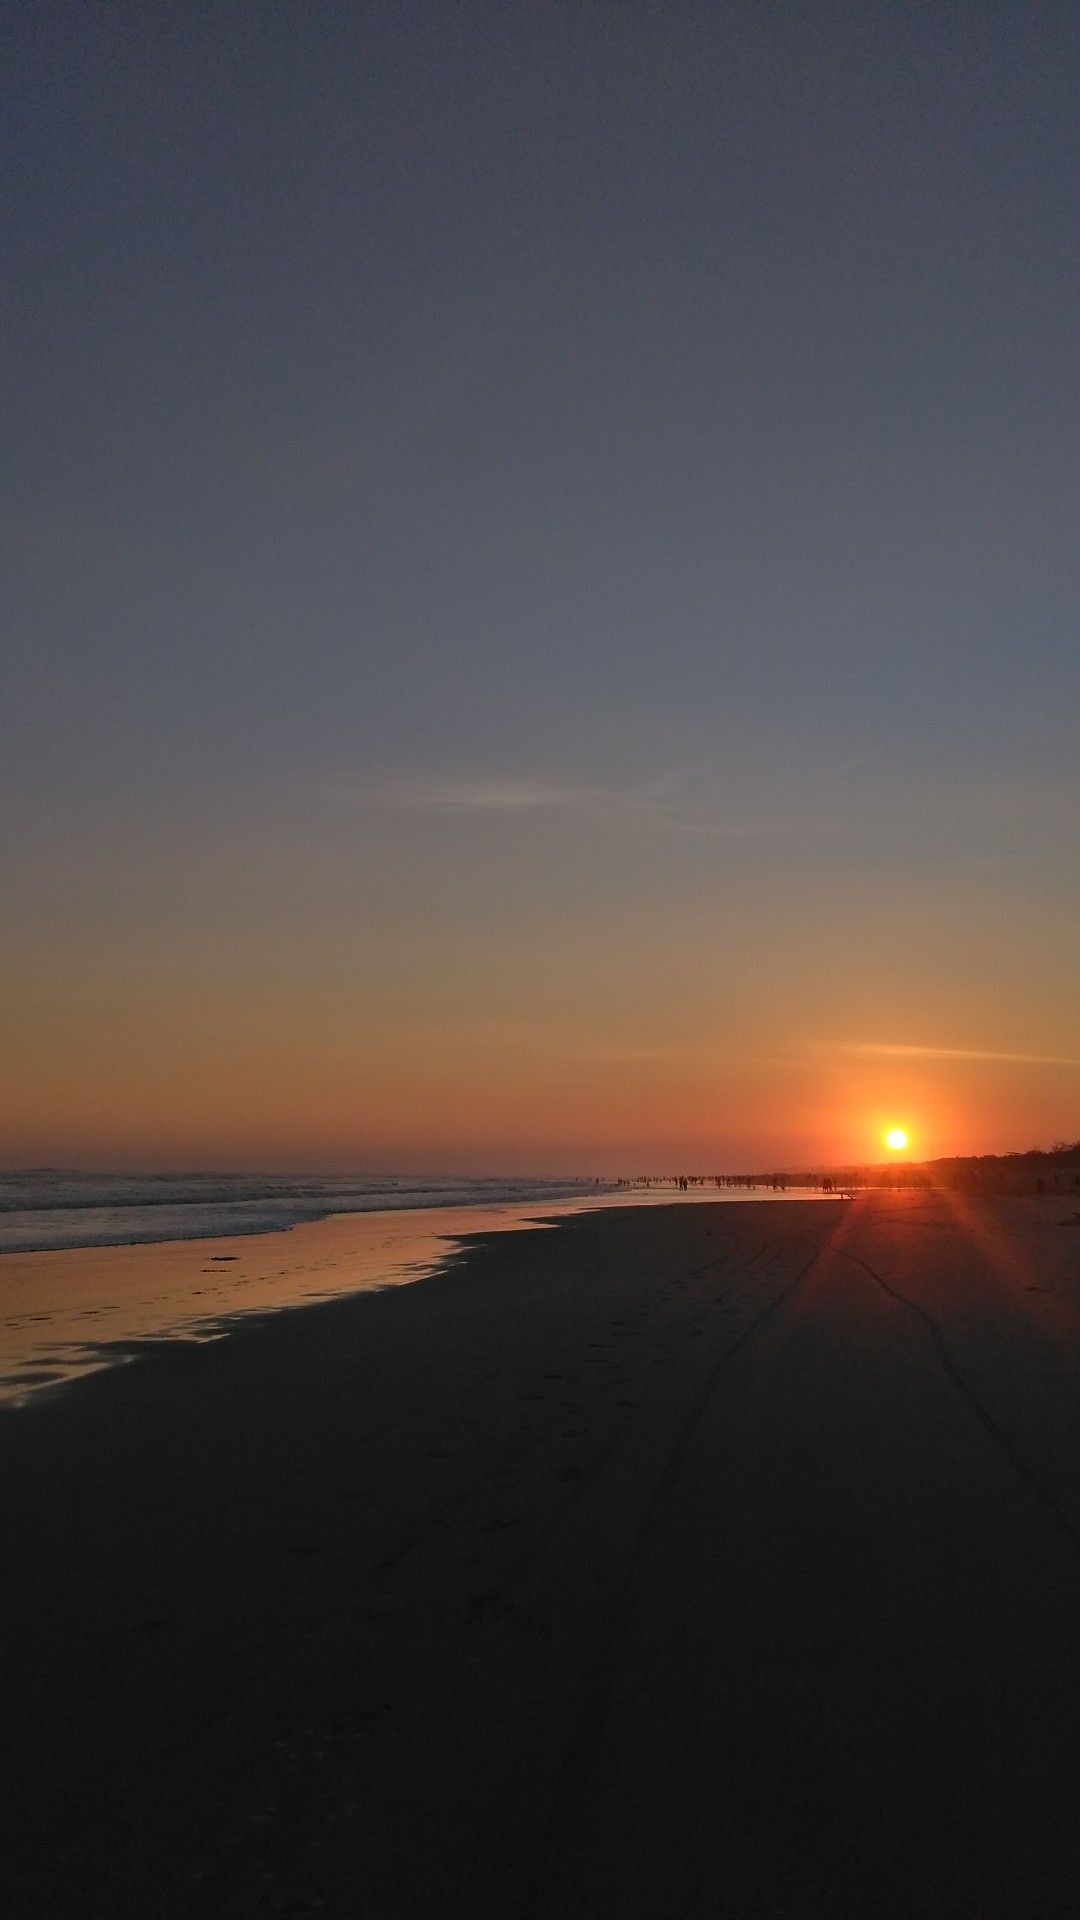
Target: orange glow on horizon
[123,1076]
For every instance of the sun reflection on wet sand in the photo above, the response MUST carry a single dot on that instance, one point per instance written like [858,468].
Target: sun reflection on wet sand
[75,1310]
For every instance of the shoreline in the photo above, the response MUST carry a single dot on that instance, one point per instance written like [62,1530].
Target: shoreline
[68,1311]
[628,1193]
[274,1207]
[650,1562]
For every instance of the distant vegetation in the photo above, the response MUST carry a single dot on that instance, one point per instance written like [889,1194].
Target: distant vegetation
[1053,1169]
[1063,1153]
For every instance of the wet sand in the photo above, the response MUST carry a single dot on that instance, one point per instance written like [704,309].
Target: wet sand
[689,1560]
[73,1310]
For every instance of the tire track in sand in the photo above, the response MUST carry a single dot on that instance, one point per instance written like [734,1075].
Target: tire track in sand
[596,1703]
[1022,1467]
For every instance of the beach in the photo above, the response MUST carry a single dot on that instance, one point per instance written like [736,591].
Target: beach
[68,1308]
[696,1559]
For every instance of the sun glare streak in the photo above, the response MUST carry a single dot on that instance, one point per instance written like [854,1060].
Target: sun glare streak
[1005,1260]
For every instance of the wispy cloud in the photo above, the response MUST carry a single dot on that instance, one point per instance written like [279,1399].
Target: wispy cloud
[490,796]
[760,826]
[664,801]
[876,1049]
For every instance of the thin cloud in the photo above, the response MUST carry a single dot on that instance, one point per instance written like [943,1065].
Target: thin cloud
[490,796]
[754,827]
[875,1049]
[658,802]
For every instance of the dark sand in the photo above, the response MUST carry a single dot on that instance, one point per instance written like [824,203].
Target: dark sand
[697,1561]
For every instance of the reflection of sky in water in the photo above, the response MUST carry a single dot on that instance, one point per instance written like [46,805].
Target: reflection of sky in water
[74,1311]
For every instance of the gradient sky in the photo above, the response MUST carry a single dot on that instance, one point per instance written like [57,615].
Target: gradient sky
[541,583]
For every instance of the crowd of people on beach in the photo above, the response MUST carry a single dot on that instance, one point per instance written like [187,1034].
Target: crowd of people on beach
[682,1182]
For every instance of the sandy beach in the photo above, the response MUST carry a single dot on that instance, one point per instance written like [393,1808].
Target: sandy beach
[699,1560]
[72,1310]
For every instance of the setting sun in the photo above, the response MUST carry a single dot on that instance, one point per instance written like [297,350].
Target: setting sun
[896,1138]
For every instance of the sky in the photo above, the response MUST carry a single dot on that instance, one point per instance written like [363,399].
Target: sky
[541,577]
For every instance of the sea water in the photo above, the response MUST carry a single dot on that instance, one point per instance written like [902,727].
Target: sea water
[45,1208]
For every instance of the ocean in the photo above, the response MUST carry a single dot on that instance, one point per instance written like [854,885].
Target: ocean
[45,1208]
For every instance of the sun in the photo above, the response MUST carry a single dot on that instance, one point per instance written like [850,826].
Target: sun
[896,1138]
